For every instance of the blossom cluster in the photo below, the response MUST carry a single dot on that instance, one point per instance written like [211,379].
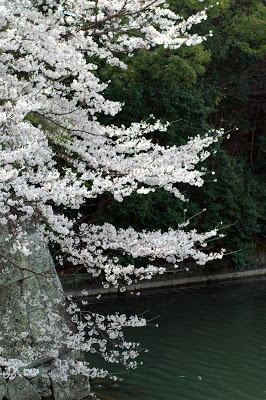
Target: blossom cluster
[94,333]
[55,154]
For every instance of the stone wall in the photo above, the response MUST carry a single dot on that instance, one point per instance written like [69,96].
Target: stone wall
[32,281]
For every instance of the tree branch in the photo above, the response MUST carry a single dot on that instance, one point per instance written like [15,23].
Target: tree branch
[120,14]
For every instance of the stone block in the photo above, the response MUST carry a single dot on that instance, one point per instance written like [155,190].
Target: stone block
[43,386]
[3,392]
[21,389]
[76,388]
[40,259]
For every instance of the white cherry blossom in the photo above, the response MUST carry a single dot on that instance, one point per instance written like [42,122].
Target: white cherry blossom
[50,98]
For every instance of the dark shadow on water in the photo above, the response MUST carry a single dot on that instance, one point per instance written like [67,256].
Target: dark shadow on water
[210,343]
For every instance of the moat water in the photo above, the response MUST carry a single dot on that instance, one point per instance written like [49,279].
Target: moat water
[210,344]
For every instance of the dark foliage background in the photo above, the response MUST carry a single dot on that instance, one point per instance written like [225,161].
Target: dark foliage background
[217,84]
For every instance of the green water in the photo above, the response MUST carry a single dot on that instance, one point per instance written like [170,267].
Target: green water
[210,344]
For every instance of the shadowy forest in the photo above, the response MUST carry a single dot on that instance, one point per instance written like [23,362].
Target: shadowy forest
[219,83]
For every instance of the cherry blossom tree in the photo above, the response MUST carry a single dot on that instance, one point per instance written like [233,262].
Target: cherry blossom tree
[55,154]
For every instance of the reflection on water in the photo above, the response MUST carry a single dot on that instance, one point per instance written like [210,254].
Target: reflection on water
[210,344]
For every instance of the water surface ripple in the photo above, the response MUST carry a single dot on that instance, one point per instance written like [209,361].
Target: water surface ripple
[210,344]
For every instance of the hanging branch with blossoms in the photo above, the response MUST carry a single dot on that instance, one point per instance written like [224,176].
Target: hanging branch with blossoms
[50,98]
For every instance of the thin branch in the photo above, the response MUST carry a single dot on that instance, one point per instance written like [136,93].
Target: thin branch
[120,14]
[64,127]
